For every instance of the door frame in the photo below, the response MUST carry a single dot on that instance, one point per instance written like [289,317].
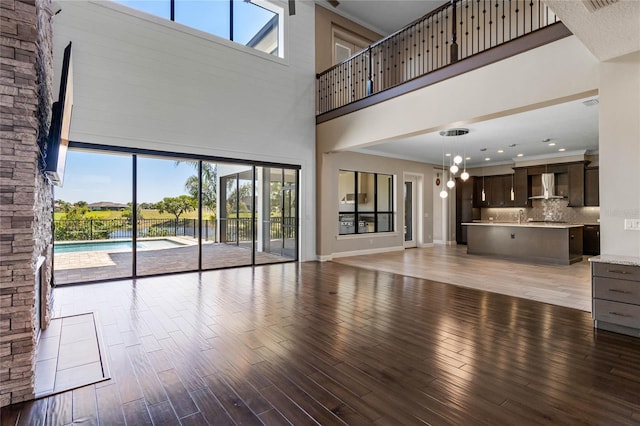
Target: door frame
[417,192]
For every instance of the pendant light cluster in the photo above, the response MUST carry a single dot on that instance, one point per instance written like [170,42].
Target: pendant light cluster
[454,164]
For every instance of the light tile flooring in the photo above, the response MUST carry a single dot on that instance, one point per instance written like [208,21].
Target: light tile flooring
[69,355]
[563,285]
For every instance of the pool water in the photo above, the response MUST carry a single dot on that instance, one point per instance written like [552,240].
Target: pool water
[113,246]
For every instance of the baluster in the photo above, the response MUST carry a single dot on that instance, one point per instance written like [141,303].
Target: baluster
[503,17]
[531,15]
[497,6]
[517,19]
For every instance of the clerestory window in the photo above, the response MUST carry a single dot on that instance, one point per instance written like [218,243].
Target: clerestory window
[256,23]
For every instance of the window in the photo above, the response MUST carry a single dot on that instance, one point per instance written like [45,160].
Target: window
[212,17]
[256,23]
[366,202]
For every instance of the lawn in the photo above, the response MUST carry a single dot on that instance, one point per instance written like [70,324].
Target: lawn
[146,214]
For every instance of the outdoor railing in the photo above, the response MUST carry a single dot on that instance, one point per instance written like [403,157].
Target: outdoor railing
[455,31]
[102,229]
[232,229]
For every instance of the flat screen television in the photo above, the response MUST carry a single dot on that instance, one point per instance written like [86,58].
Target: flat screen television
[58,138]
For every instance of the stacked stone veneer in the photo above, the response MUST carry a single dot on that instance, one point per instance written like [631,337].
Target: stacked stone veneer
[25,196]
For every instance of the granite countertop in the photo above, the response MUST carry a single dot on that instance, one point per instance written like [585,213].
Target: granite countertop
[616,260]
[528,224]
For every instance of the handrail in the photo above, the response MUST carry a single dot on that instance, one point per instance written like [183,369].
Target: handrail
[454,31]
[382,40]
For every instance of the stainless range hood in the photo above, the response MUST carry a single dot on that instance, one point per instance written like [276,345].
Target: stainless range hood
[548,188]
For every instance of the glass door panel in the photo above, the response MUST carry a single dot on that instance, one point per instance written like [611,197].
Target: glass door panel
[92,218]
[232,243]
[277,206]
[168,229]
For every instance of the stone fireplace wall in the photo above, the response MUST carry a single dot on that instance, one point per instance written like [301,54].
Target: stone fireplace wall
[25,196]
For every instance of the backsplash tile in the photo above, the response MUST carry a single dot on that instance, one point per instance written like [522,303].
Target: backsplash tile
[556,210]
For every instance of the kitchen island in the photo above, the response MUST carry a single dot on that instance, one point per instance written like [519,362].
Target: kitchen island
[536,242]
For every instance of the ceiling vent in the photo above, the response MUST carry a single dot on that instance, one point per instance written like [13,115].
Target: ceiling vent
[454,132]
[595,5]
[591,102]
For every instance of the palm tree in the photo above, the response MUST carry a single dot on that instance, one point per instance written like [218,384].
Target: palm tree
[209,184]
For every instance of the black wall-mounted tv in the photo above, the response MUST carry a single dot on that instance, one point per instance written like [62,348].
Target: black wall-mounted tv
[58,139]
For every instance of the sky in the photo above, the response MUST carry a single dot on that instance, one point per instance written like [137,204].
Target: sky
[94,177]
[211,16]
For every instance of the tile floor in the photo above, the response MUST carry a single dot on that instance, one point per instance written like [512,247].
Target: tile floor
[69,355]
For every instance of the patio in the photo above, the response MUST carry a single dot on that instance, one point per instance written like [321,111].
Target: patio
[102,265]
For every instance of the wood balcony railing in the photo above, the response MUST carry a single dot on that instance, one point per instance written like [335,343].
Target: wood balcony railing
[455,31]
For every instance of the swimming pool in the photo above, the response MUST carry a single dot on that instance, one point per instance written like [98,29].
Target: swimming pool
[120,245]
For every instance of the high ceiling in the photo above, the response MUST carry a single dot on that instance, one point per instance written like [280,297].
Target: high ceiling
[383,16]
[572,127]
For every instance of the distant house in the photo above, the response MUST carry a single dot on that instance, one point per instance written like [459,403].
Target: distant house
[107,205]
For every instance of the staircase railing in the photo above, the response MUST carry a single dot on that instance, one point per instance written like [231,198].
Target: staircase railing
[454,31]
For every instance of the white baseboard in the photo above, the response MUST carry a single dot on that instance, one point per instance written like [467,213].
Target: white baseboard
[359,253]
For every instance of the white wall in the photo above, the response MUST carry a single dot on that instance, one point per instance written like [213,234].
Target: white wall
[619,154]
[144,82]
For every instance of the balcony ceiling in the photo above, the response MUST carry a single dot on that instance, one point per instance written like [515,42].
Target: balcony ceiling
[571,126]
[383,16]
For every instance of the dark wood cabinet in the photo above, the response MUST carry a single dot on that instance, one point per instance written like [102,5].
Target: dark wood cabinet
[576,184]
[592,186]
[591,240]
[477,192]
[522,188]
[465,208]
[500,191]
[497,190]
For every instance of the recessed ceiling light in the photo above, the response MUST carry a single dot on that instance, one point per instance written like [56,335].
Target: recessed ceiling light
[512,145]
[467,158]
[545,140]
[562,149]
[552,144]
[520,155]
[500,151]
[448,154]
[483,149]
[487,159]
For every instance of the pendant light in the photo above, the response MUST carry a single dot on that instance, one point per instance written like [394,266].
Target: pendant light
[451,183]
[443,194]
[464,175]
[513,195]
[484,197]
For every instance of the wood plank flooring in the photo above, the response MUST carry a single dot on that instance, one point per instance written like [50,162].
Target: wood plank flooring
[563,285]
[325,343]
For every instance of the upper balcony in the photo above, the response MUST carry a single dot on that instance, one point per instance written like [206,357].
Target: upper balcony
[455,38]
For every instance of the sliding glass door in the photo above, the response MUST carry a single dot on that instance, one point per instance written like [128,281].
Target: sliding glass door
[277,208]
[92,218]
[167,215]
[155,213]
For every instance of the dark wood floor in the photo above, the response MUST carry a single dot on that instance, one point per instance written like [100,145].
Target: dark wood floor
[332,344]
